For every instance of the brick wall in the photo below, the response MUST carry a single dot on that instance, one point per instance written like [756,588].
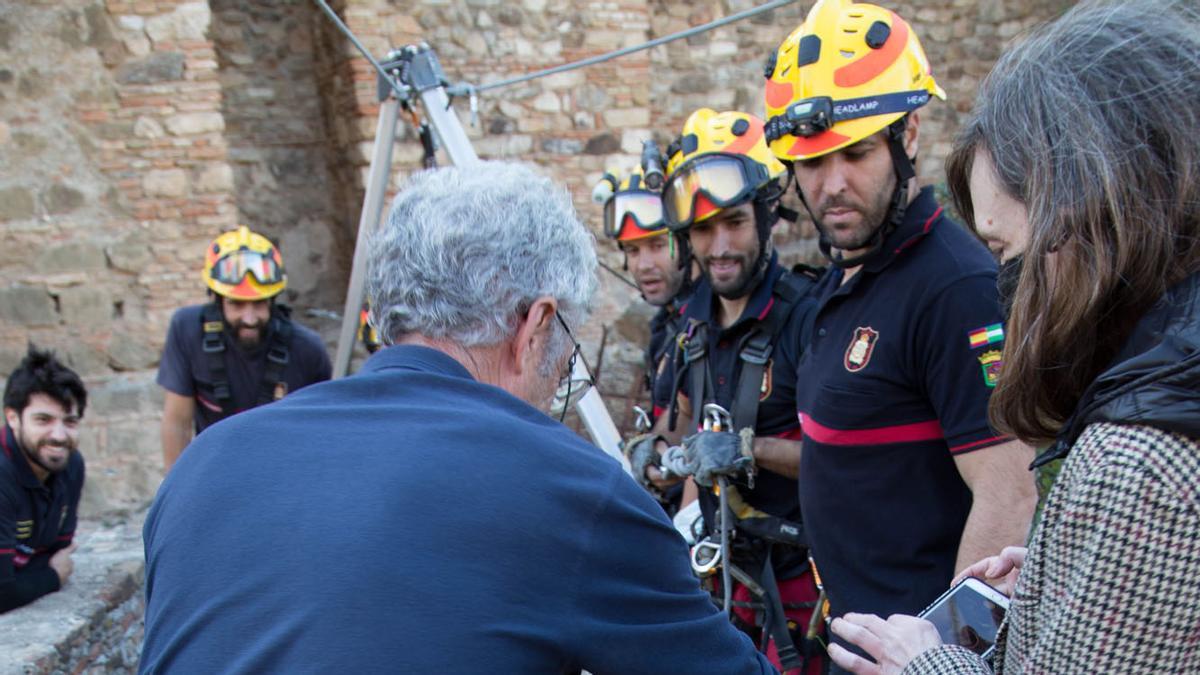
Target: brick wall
[133,131]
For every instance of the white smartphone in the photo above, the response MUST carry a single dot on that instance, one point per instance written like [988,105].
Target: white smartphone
[969,614]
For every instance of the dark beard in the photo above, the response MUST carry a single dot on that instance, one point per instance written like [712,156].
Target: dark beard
[249,344]
[32,455]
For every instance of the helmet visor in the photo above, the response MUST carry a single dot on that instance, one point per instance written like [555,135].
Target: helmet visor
[234,267]
[640,210]
[709,181]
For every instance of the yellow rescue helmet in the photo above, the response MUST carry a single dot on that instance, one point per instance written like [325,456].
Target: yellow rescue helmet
[847,72]
[720,160]
[632,210]
[243,265]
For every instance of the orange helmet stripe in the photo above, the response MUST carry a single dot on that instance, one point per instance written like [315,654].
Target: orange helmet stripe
[816,144]
[245,289]
[746,141]
[876,61]
[704,207]
[779,94]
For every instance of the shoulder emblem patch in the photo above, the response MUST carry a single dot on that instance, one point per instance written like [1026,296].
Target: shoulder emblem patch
[858,354]
[281,390]
[988,335]
[990,361]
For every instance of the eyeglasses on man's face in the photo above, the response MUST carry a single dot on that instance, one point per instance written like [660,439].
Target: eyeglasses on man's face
[572,386]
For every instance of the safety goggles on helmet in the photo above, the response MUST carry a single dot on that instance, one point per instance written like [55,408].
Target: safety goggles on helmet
[640,210]
[233,268]
[707,183]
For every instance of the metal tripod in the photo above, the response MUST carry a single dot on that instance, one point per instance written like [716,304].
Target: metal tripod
[417,77]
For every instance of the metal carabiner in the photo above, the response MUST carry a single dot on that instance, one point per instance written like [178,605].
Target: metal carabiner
[706,555]
[717,418]
[641,423]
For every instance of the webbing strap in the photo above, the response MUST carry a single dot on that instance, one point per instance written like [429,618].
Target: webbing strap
[277,354]
[755,353]
[213,325]
[213,345]
[775,619]
[695,360]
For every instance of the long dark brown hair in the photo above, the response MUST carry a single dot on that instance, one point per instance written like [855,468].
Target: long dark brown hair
[1093,123]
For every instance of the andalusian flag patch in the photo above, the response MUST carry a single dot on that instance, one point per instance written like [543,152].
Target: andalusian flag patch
[981,337]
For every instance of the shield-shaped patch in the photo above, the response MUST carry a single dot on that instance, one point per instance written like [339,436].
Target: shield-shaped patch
[858,354]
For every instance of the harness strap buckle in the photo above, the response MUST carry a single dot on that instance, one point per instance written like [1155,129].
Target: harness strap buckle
[211,344]
[758,353]
[277,354]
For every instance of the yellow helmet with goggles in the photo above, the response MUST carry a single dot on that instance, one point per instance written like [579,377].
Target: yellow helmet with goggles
[849,71]
[243,265]
[632,210]
[720,160]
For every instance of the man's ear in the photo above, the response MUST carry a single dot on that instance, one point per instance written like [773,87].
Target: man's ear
[12,417]
[911,134]
[533,330]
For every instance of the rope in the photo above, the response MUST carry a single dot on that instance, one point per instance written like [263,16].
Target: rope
[472,90]
[400,90]
[620,276]
[468,89]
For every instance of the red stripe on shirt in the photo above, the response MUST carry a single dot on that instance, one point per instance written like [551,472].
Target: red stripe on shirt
[928,223]
[658,411]
[796,434]
[901,433]
[977,445]
[767,309]
[8,551]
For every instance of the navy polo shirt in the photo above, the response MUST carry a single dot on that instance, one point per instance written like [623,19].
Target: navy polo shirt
[184,370]
[895,384]
[772,493]
[36,520]
[411,519]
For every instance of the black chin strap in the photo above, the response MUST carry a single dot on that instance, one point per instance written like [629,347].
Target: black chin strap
[903,167]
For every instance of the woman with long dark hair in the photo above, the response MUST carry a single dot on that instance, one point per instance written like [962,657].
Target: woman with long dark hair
[1082,159]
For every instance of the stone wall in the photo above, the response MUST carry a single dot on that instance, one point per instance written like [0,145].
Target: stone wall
[133,131]
[95,623]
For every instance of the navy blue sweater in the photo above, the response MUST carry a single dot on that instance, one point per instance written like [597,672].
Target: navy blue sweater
[411,519]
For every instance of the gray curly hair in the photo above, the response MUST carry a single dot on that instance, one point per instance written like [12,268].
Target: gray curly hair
[466,250]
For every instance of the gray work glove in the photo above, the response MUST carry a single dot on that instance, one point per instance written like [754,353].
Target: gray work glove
[641,454]
[720,453]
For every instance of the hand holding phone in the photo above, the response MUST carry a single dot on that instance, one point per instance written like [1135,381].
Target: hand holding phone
[1000,571]
[969,614]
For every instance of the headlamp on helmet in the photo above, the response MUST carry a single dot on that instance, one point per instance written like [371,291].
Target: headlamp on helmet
[846,73]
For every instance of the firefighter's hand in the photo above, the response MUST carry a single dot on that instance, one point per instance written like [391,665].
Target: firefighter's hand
[62,564]
[719,453]
[642,455]
[662,480]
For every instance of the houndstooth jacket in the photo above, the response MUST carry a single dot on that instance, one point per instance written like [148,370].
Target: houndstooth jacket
[1111,583]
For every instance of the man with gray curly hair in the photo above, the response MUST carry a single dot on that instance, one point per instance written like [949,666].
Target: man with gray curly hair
[425,515]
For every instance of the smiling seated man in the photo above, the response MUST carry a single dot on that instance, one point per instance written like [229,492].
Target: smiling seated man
[41,478]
